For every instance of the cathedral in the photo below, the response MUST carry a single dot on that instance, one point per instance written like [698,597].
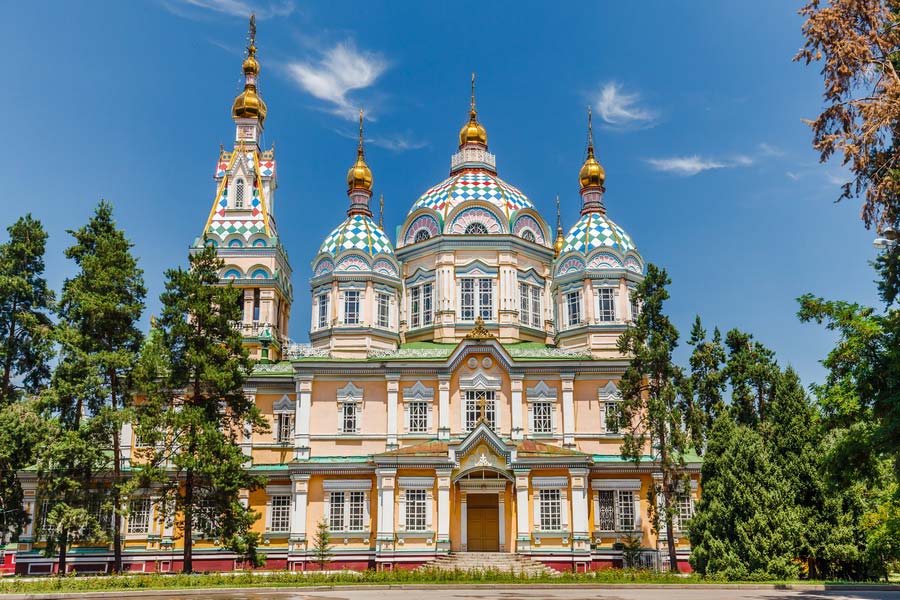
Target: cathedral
[458,391]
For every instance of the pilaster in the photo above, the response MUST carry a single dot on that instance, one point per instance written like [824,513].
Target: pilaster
[443,407]
[568,398]
[523,532]
[393,387]
[387,482]
[518,431]
[580,531]
[300,493]
[302,411]
[443,528]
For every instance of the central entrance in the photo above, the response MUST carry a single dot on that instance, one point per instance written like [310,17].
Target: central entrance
[483,522]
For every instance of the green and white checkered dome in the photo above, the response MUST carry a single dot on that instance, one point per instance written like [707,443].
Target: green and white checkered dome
[596,230]
[357,232]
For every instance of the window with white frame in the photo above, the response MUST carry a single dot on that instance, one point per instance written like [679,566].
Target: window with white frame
[612,413]
[284,427]
[418,416]
[606,304]
[685,506]
[323,319]
[476,298]
[239,194]
[349,420]
[336,511]
[420,312]
[530,304]
[606,515]
[542,418]
[625,510]
[616,505]
[346,505]
[139,516]
[550,511]
[356,503]
[349,400]
[384,310]
[416,510]
[351,307]
[478,401]
[280,518]
[103,514]
[634,305]
[610,408]
[573,308]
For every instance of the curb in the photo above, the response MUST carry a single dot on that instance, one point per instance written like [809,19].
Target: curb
[800,587]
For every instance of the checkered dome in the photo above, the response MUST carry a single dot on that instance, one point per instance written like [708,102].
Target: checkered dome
[357,232]
[595,230]
[472,184]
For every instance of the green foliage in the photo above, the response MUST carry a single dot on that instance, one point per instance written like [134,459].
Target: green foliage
[246,545]
[651,411]
[26,344]
[703,390]
[22,432]
[322,544]
[631,551]
[196,411]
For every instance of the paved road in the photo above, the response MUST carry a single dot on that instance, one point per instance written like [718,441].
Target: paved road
[546,594]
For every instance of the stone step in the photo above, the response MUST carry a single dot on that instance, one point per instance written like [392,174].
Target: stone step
[483,561]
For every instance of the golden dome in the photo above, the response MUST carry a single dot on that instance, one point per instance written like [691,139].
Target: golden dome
[473,131]
[359,177]
[560,241]
[591,174]
[249,104]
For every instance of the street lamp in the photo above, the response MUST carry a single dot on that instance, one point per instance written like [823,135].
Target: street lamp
[888,239]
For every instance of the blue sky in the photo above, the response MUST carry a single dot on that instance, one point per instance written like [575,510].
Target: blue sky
[698,122]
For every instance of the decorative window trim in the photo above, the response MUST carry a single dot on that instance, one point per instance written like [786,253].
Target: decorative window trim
[478,308]
[349,397]
[480,381]
[541,391]
[416,483]
[417,393]
[608,394]
[549,482]
[347,485]
[616,484]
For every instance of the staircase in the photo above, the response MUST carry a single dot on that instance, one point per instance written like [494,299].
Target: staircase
[490,561]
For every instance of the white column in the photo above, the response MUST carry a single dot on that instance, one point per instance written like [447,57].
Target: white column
[393,387]
[580,534]
[386,484]
[523,533]
[516,385]
[300,492]
[443,528]
[464,520]
[126,435]
[501,518]
[568,398]
[302,410]
[443,407]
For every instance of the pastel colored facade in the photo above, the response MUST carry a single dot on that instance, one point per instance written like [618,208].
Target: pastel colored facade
[459,389]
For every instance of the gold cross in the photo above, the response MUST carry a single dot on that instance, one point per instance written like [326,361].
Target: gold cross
[482,409]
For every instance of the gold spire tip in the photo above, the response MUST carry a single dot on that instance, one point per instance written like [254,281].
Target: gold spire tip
[252,34]
[590,132]
[360,148]
[472,111]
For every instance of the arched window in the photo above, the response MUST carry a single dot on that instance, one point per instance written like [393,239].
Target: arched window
[476,229]
[528,235]
[239,194]
[422,235]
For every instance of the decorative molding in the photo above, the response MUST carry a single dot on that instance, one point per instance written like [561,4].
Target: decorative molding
[349,393]
[415,483]
[541,391]
[347,485]
[615,484]
[419,391]
[284,405]
[609,392]
[479,332]
[480,381]
[549,482]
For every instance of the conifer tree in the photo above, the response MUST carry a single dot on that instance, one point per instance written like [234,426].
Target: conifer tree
[196,408]
[705,387]
[26,344]
[751,372]
[99,311]
[22,431]
[651,412]
[322,544]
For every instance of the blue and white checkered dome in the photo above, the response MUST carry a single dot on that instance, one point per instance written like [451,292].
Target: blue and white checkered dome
[595,230]
[357,232]
[472,185]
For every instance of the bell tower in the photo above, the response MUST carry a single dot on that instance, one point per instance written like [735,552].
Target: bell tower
[241,222]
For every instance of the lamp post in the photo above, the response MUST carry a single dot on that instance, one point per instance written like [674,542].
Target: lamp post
[887,239]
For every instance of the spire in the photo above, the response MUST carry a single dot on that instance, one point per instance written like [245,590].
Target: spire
[381,211]
[249,104]
[359,178]
[592,176]
[472,132]
[560,242]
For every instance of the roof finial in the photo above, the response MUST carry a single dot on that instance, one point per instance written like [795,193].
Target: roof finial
[359,150]
[252,47]
[381,211]
[472,112]
[560,241]
[558,217]
[590,132]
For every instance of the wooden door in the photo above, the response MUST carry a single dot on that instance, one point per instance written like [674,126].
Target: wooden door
[482,523]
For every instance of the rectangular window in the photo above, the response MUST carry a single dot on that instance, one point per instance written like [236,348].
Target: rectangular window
[256,304]
[415,307]
[524,303]
[281,514]
[486,299]
[351,307]
[43,529]
[535,306]
[415,510]
[635,306]
[336,512]
[284,427]
[418,416]
[550,507]
[323,311]
[606,520]
[530,305]
[543,417]
[573,308]
[426,304]
[612,416]
[139,516]
[348,417]
[478,401]
[384,310]
[467,299]
[356,511]
[606,305]
[625,510]
[685,512]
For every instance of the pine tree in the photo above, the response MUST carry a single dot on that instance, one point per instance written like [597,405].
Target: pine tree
[99,310]
[751,372]
[22,431]
[26,345]
[650,409]
[196,408]
[704,389]
[322,544]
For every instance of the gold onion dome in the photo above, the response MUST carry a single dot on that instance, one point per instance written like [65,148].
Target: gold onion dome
[359,177]
[592,173]
[473,131]
[249,104]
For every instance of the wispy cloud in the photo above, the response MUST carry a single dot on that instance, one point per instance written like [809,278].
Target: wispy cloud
[770,150]
[399,142]
[686,166]
[341,70]
[622,109]
[235,8]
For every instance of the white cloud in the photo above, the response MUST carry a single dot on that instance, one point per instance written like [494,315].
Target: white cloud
[341,70]
[742,160]
[621,109]
[399,142]
[770,150]
[235,8]
[792,175]
[685,165]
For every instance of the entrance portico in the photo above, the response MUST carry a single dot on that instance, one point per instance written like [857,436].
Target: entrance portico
[482,497]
